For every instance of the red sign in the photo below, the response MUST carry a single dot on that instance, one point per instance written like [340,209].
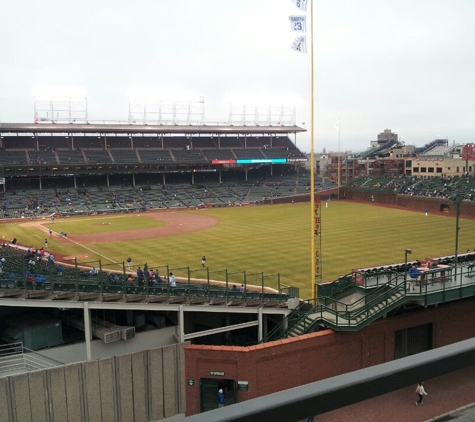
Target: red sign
[223,162]
[468,152]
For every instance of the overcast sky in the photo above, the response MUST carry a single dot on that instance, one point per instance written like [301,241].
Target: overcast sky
[407,65]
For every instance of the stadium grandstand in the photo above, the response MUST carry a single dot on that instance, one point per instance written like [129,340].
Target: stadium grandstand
[155,349]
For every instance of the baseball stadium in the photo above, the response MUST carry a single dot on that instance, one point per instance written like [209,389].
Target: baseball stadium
[160,263]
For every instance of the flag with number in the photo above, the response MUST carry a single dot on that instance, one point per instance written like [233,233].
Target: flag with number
[301,4]
[300,44]
[298,23]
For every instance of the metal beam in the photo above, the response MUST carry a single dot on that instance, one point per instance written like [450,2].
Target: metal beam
[136,306]
[87,330]
[221,330]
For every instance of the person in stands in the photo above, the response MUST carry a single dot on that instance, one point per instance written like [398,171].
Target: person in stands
[413,276]
[172,281]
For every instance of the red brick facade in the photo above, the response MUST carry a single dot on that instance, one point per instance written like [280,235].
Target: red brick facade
[288,363]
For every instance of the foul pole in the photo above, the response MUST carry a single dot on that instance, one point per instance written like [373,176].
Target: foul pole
[312,163]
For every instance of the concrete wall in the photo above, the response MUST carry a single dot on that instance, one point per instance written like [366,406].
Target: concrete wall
[142,341]
[141,386]
[288,363]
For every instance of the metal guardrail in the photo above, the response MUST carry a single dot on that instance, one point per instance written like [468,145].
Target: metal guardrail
[15,358]
[379,299]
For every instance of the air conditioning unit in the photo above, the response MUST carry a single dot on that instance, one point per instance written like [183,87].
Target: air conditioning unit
[107,335]
[127,333]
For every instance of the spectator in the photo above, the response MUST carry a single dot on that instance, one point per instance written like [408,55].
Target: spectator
[221,398]
[93,272]
[413,274]
[172,281]
[59,271]
[140,276]
[242,289]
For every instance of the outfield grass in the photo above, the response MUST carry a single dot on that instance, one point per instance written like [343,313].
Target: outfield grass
[273,239]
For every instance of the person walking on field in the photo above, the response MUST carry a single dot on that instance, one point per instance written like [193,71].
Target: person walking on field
[129,263]
[203,261]
[421,393]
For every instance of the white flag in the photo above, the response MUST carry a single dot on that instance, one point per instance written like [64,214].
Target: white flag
[298,23]
[301,4]
[300,44]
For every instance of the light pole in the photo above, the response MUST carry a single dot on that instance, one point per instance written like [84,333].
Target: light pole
[406,252]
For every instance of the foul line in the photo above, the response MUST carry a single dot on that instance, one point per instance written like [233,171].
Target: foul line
[89,249]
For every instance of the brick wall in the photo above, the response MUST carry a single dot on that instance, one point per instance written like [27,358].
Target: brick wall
[419,203]
[288,363]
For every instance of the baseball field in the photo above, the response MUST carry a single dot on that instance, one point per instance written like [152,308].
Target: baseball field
[270,239]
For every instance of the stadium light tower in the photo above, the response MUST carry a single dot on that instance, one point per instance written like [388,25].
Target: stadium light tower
[57,104]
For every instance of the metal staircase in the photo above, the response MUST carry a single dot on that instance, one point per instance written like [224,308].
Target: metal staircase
[357,299]
[340,314]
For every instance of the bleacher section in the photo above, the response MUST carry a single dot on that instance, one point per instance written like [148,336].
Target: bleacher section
[42,279]
[124,156]
[155,156]
[438,150]
[219,154]
[42,157]
[97,156]
[189,156]
[70,157]
[13,157]
[432,144]
[248,153]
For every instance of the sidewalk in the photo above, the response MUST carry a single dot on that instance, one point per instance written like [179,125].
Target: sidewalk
[446,394]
